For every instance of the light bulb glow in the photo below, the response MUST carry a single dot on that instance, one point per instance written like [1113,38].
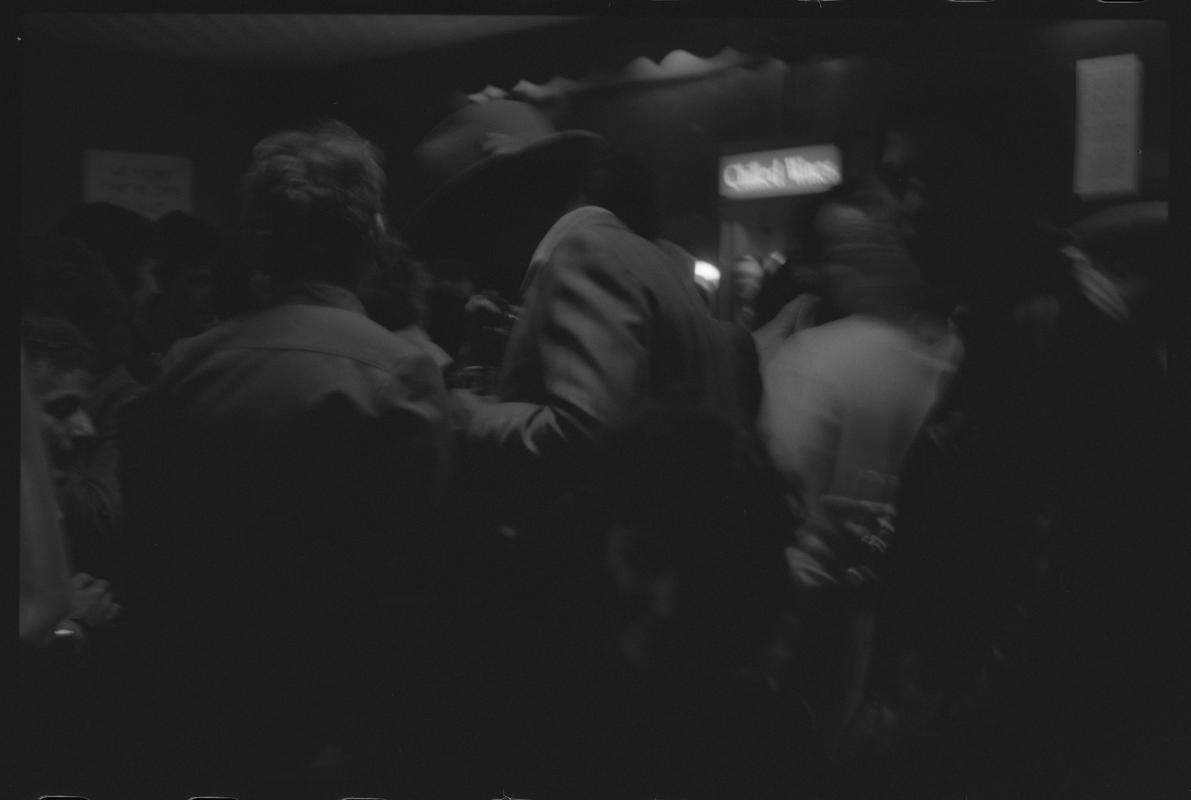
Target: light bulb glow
[707,272]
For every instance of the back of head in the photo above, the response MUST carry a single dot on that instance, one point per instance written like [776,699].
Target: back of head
[623,183]
[864,266]
[182,241]
[312,201]
[54,340]
[120,236]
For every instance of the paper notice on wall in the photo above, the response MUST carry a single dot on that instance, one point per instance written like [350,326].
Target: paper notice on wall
[148,184]
[1108,125]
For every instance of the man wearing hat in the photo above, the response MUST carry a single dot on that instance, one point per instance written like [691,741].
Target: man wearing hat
[607,324]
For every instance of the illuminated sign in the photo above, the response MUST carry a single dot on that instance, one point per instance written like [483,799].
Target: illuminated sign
[798,170]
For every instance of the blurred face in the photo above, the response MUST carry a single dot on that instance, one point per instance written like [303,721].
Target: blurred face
[747,277]
[901,171]
[65,424]
[934,216]
[189,298]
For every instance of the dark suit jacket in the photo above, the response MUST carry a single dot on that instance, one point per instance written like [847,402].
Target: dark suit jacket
[607,326]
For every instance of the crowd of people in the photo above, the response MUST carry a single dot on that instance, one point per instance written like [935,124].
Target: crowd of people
[491,503]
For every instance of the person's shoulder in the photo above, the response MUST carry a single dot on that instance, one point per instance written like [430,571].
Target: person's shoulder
[606,254]
[840,347]
[353,336]
[322,332]
[417,337]
[809,350]
[591,229]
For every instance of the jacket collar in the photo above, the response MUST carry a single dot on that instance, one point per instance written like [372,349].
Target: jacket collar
[566,224]
[318,293]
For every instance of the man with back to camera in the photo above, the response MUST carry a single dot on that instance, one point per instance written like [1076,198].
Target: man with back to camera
[288,456]
[606,323]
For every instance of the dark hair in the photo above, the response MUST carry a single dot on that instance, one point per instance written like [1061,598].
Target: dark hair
[53,339]
[120,236]
[393,291]
[623,183]
[181,241]
[62,277]
[999,128]
[310,199]
[687,470]
[800,274]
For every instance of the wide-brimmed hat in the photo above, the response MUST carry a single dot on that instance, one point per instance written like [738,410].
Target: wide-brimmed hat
[1124,222]
[487,157]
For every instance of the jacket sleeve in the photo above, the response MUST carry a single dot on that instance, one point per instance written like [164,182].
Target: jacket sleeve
[800,424]
[414,429]
[589,321]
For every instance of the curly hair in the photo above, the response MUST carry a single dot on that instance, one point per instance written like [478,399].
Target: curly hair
[310,201]
[623,183]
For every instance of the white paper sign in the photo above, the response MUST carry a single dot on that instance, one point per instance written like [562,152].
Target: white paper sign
[148,184]
[1108,132]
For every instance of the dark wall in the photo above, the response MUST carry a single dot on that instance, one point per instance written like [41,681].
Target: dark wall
[838,98]
[830,89]
[73,100]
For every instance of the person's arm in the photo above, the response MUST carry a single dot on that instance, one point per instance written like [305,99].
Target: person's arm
[415,422]
[794,316]
[800,424]
[591,323]
[94,502]
[44,571]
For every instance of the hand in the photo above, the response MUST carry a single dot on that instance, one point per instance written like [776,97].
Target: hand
[91,601]
[463,404]
[869,526]
[483,307]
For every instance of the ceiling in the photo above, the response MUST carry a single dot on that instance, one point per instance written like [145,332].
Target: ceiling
[273,41]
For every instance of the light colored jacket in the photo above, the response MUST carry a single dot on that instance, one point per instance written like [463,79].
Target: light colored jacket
[842,404]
